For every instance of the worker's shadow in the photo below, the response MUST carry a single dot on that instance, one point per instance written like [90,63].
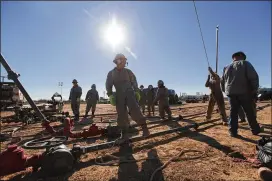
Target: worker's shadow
[150,165]
[129,171]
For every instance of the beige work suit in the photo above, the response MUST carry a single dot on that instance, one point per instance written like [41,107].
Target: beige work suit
[75,95]
[125,84]
[162,97]
[142,101]
[216,96]
[150,99]
[92,97]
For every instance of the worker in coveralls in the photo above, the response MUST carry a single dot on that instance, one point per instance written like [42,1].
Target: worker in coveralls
[74,97]
[150,100]
[240,82]
[142,101]
[92,97]
[216,96]
[162,96]
[126,85]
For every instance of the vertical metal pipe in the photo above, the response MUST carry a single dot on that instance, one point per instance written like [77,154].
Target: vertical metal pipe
[217,30]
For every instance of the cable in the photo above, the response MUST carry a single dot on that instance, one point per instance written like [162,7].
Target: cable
[201,34]
[176,158]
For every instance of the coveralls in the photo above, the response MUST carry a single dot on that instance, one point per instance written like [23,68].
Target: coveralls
[240,81]
[216,96]
[92,97]
[75,95]
[150,100]
[125,84]
[162,97]
[142,101]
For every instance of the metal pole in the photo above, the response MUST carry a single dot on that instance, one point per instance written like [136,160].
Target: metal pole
[61,84]
[217,30]
[13,76]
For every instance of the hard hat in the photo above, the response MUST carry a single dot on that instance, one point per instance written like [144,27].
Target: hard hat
[160,82]
[74,81]
[118,58]
[150,86]
[242,54]
[141,86]
[93,86]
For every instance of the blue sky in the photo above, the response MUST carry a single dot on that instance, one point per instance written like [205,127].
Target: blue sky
[48,42]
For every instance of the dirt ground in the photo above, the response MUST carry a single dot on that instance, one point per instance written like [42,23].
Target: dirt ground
[208,159]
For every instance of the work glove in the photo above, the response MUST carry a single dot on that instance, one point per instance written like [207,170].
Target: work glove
[112,100]
[138,95]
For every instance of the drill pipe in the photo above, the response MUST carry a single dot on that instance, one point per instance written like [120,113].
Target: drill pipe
[110,144]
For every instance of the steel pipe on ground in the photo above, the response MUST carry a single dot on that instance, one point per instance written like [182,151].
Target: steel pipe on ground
[110,144]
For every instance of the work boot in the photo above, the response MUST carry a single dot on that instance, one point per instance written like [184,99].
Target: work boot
[224,123]
[169,117]
[92,114]
[258,132]
[265,174]
[123,139]
[76,118]
[146,132]
[208,119]
[162,119]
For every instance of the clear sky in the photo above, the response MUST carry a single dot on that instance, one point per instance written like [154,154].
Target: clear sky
[48,42]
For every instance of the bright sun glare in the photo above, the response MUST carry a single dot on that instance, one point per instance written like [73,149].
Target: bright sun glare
[114,33]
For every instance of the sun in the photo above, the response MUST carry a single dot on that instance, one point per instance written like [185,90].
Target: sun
[114,33]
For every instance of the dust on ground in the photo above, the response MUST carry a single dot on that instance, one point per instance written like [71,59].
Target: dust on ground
[210,161]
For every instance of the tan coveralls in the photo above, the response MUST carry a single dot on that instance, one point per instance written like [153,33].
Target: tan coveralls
[125,84]
[75,95]
[91,98]
[150,100]
[142,101]
[162,97]
[216,96]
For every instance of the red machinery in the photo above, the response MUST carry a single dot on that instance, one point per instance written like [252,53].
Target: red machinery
[14,160]
[68,125]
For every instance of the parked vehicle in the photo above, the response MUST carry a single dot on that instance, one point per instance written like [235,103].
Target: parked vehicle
[191,99]
[10,95]
[104,101]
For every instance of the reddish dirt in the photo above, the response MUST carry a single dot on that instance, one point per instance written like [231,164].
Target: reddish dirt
[211,162]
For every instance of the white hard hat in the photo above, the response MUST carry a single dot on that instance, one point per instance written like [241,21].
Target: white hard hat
[119,57]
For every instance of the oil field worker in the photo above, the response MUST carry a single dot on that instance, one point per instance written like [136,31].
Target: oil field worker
[216,96]
[92,97]
[150,100]
[240,82]
[74,97]
[162,96]
[142,101]
[126,85]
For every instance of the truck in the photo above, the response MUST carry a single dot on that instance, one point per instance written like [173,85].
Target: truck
[10,95]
